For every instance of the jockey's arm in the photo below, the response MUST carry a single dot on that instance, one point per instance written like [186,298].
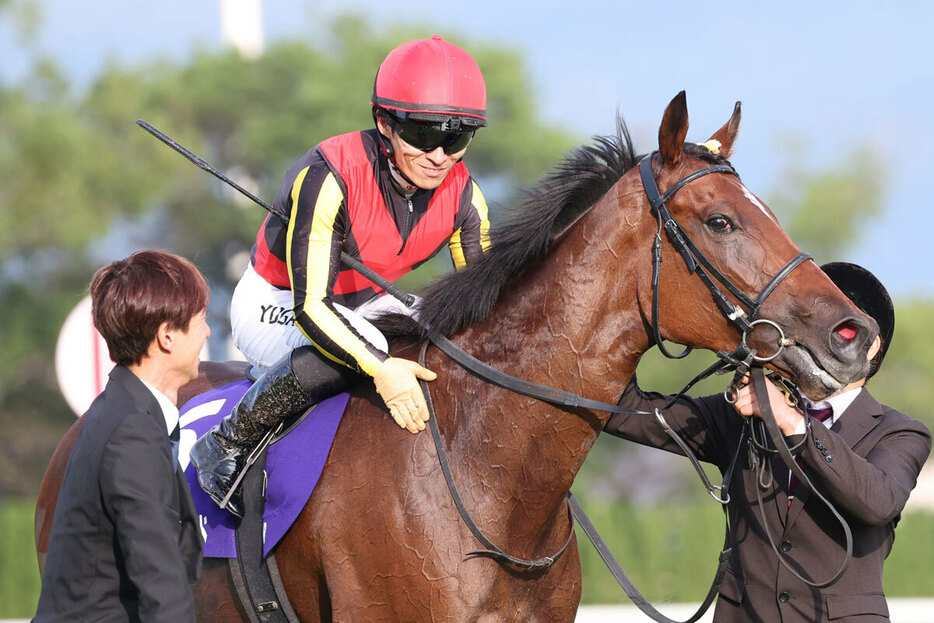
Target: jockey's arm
[471,238]
[317,230]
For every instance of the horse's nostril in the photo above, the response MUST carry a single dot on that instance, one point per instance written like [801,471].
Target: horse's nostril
[847,330]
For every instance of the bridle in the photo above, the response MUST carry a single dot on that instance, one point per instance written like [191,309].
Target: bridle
[742,359]
[698,263]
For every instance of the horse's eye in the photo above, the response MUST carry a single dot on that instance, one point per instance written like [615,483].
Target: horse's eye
[720,224]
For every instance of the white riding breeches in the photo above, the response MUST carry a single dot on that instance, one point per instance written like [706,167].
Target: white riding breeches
[262,320]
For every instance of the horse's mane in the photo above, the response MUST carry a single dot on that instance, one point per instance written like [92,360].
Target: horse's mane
[464,297]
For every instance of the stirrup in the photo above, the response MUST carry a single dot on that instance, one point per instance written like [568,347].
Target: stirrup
[250,459]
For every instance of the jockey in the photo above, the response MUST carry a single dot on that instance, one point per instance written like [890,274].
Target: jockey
[391,196]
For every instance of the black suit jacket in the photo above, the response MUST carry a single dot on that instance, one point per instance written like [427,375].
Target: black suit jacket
[870,463]
[125,540]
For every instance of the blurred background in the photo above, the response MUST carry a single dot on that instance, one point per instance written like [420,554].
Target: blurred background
[835,136]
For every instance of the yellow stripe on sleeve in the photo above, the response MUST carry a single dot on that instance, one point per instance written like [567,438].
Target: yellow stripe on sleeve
[457,250]
[479,202]
[318,260]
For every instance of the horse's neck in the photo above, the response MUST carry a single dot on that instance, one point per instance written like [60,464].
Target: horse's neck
[571,322]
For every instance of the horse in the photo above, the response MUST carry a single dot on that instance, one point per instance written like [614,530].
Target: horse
[568,296]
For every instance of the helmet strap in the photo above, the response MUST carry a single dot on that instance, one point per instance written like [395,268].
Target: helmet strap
[402,180]
[384,143]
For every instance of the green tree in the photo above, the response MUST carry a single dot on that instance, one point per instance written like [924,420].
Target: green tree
[82,182]
[24,17]
[825,209]
[905,379]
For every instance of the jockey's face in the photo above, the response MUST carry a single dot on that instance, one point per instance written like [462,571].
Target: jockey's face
[427,169]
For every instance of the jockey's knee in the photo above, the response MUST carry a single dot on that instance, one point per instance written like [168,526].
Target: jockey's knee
[318,374]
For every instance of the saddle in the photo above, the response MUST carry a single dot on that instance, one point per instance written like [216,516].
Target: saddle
[275,490]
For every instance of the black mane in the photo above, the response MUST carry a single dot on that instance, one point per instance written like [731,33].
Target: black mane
[464,297]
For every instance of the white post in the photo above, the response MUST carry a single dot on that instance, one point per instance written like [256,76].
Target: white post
[242,26]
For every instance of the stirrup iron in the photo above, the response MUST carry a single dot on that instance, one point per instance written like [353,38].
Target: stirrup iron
[251,458]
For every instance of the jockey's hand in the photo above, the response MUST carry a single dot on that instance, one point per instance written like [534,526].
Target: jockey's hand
[787,417]
[396,381]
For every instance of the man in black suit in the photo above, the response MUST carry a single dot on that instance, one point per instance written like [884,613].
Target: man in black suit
[125,540]
[865,459]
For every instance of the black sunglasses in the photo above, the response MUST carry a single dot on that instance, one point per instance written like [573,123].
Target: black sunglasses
[427,138]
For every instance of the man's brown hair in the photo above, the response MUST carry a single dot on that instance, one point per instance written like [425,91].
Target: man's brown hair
[131,298]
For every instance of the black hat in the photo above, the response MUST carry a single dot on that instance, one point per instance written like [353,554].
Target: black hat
[868,294]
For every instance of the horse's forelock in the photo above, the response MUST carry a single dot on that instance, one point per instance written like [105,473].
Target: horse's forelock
[703,153]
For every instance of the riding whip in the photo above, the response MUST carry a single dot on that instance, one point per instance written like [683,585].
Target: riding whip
[407,299]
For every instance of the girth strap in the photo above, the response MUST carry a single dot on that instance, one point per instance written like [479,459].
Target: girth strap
[256,580]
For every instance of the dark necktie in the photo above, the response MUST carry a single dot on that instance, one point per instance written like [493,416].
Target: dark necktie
[173,439]
[821,414]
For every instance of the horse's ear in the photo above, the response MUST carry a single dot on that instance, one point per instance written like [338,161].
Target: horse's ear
[727,134]
[673,130]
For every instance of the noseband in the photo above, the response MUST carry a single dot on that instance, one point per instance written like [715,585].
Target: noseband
[697,262]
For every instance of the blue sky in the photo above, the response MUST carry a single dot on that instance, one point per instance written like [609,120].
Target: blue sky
[834,74]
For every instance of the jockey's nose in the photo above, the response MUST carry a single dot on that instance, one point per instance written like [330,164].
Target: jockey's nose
[437,155]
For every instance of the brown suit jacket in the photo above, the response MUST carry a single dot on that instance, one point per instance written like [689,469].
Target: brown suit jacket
[870,463]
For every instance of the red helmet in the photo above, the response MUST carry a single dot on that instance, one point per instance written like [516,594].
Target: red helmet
[432,81]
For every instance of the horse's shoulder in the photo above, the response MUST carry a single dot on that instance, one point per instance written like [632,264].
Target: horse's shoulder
[50,487]
[213,374]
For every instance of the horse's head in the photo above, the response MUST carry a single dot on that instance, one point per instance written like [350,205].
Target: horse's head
[820,337]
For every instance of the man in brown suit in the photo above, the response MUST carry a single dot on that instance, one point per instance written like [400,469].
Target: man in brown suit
[864,459]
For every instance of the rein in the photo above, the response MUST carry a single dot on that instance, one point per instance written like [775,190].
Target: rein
[491,551]
[740,359]
[786,453]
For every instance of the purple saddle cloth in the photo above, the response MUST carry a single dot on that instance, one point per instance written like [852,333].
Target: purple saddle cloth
[293,465]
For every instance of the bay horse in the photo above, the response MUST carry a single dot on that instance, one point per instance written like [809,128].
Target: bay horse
[564,298]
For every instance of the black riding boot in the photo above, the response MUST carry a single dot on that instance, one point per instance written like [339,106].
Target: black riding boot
[299,380]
